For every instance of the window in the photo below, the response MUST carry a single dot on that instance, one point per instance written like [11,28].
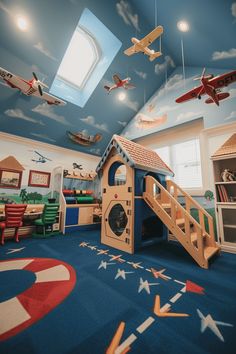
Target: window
[89,54]
[117,174]
[184,159]
[80,59]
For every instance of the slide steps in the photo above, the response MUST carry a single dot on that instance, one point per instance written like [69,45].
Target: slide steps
[198,242]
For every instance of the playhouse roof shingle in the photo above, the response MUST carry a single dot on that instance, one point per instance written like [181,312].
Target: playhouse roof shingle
[136,156]
[229,147]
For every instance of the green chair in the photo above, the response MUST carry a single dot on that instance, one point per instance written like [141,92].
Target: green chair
[48,218]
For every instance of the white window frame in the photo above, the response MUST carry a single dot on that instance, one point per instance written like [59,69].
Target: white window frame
[95,49]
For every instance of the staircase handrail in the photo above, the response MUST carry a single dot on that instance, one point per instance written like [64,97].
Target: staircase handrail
[187,216]
[193,202]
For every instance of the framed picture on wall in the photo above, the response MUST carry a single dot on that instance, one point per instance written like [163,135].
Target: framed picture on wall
[10,179]
[39,179]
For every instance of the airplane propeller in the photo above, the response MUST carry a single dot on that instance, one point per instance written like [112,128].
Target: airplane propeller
[210,76]
[39,84]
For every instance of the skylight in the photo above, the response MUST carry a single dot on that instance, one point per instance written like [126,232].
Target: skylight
[80,59]
[89,54]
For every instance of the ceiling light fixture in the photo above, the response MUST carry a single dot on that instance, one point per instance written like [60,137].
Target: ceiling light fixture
[121,96]
[183,26]
[22,23]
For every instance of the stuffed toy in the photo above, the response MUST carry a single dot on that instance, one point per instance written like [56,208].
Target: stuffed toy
[227,176]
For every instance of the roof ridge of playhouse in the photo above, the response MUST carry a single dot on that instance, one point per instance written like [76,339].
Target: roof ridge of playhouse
[136,156]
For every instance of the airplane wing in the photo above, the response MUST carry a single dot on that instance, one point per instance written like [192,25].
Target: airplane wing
[116,79]
[191,94]
[149,38]
[130,50]
[14,80]
[223,80]
[50,98]
[129,86]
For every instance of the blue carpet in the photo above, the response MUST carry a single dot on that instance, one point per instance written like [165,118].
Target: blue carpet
[85,322]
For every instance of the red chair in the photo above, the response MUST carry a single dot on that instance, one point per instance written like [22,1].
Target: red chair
[13,218]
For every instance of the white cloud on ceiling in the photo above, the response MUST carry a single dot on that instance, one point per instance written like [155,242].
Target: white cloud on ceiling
[232,93]
[48,111]
[165,109]
[231,116]
[90,120]
[19,114]
[168,61]
[124,10]
[40,47]
[233,9]
[189,115]
[141,74]
[4,8]
[122,123]
[130,104]
[224,55]
[43,136]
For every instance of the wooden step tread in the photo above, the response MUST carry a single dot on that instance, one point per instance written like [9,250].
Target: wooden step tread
[194,236]
[165,206]
[210,251]
[180,221]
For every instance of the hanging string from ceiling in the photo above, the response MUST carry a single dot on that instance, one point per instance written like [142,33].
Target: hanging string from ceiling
[182,54]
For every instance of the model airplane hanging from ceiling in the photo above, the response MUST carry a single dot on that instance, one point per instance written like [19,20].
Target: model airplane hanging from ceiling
[142,45]
[83,139]
[211,86]
[125,83]
[31,87]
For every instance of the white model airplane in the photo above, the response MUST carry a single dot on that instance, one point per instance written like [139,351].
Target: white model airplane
[208,321]
[31,87]
[143,44]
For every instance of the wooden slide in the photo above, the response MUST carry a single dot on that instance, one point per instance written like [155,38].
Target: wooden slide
[198,242]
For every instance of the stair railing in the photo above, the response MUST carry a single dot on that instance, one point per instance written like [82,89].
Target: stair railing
[189,202]
[155,190]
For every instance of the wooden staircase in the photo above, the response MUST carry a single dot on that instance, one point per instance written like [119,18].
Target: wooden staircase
[196,237]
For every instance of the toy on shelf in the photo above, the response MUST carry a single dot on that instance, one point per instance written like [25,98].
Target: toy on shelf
[31,87]
[227,176]
[211,86]
[125,83]
[140,205]
[143,44]
[79,200]
[77,196]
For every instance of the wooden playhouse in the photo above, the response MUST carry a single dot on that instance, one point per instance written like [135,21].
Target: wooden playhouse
[139,205]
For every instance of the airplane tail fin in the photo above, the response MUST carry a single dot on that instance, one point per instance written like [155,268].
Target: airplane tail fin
[97,137]
[107,88]
[220,96]
[154,56]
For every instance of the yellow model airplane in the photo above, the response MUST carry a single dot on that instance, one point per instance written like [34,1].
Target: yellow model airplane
[142,45]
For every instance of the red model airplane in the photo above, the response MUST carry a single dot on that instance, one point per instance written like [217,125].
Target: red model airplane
[31,87]
[125,83]
[211,86]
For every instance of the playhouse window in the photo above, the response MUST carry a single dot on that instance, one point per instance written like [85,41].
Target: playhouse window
[117,219]
[117,174]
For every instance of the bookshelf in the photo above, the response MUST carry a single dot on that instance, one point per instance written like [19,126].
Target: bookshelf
[225,191]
